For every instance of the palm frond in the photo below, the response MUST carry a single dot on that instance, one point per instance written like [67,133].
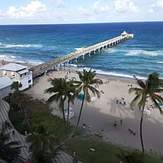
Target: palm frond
[94,91]
[50,90]
[54,97]
[161,82]
[96,81]
[157,105]
[157,97]
[135,101]
[153,81]
[135,90]
[140,82]
[88,97]
[159,90]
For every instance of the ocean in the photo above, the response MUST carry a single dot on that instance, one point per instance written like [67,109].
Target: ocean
[40,43]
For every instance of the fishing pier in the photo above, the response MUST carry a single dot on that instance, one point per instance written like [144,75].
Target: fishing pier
[81,52]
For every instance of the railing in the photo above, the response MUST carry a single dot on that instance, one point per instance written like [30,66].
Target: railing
[40,69]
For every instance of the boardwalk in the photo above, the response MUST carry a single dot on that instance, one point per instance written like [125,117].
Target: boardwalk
[42,68]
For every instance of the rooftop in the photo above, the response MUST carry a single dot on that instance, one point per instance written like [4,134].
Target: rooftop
[5,82]
[124,33]
[13,67]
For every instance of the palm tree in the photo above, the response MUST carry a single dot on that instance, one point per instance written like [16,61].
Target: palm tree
[148,89]
[9,150]
[58,91]
[19,102]
[71,94]
[62,90]
[43,146]
[15,86]
[86,85]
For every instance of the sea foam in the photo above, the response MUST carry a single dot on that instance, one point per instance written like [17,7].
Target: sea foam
[109,73]
[144,52]
[12,58]
[2,45]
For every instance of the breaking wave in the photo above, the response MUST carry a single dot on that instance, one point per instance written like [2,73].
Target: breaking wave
[2,45]
[144,52]
[12,58]
[108,73]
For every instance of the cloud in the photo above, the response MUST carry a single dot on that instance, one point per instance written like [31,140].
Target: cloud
[159,3]
[151,10]
[84,12]
[58,3]
[31,9]
[76,11]
[100,7]
[125,6]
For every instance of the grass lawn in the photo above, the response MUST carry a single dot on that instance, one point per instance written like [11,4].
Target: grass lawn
[17,119]
[104,153]
[53,124]
[38,115]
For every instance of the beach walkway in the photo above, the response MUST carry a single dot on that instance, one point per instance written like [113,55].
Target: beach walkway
[81,52]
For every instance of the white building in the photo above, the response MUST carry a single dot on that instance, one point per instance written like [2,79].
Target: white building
[18,73]
[124,33]
[5,86]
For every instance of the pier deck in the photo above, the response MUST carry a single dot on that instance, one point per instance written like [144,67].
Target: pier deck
[42,68]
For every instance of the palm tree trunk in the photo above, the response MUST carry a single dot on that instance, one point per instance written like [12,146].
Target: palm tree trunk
[68,109]
[63,111]
[141,128]
[81,109]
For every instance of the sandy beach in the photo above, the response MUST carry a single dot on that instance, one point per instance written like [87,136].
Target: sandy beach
[101,115]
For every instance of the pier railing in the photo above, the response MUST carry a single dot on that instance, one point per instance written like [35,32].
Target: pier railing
[42,68]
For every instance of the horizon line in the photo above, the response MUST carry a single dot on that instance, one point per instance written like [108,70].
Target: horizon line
[116,22]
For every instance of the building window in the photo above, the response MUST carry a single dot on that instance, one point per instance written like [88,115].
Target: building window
[29,81]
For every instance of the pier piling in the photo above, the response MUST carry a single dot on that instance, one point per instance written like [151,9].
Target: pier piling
[82,52]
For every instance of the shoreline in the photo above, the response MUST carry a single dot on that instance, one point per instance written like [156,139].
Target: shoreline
[76,68]
[103,75]
[99,75]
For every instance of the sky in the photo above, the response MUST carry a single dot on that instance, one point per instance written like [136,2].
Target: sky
[79,11]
